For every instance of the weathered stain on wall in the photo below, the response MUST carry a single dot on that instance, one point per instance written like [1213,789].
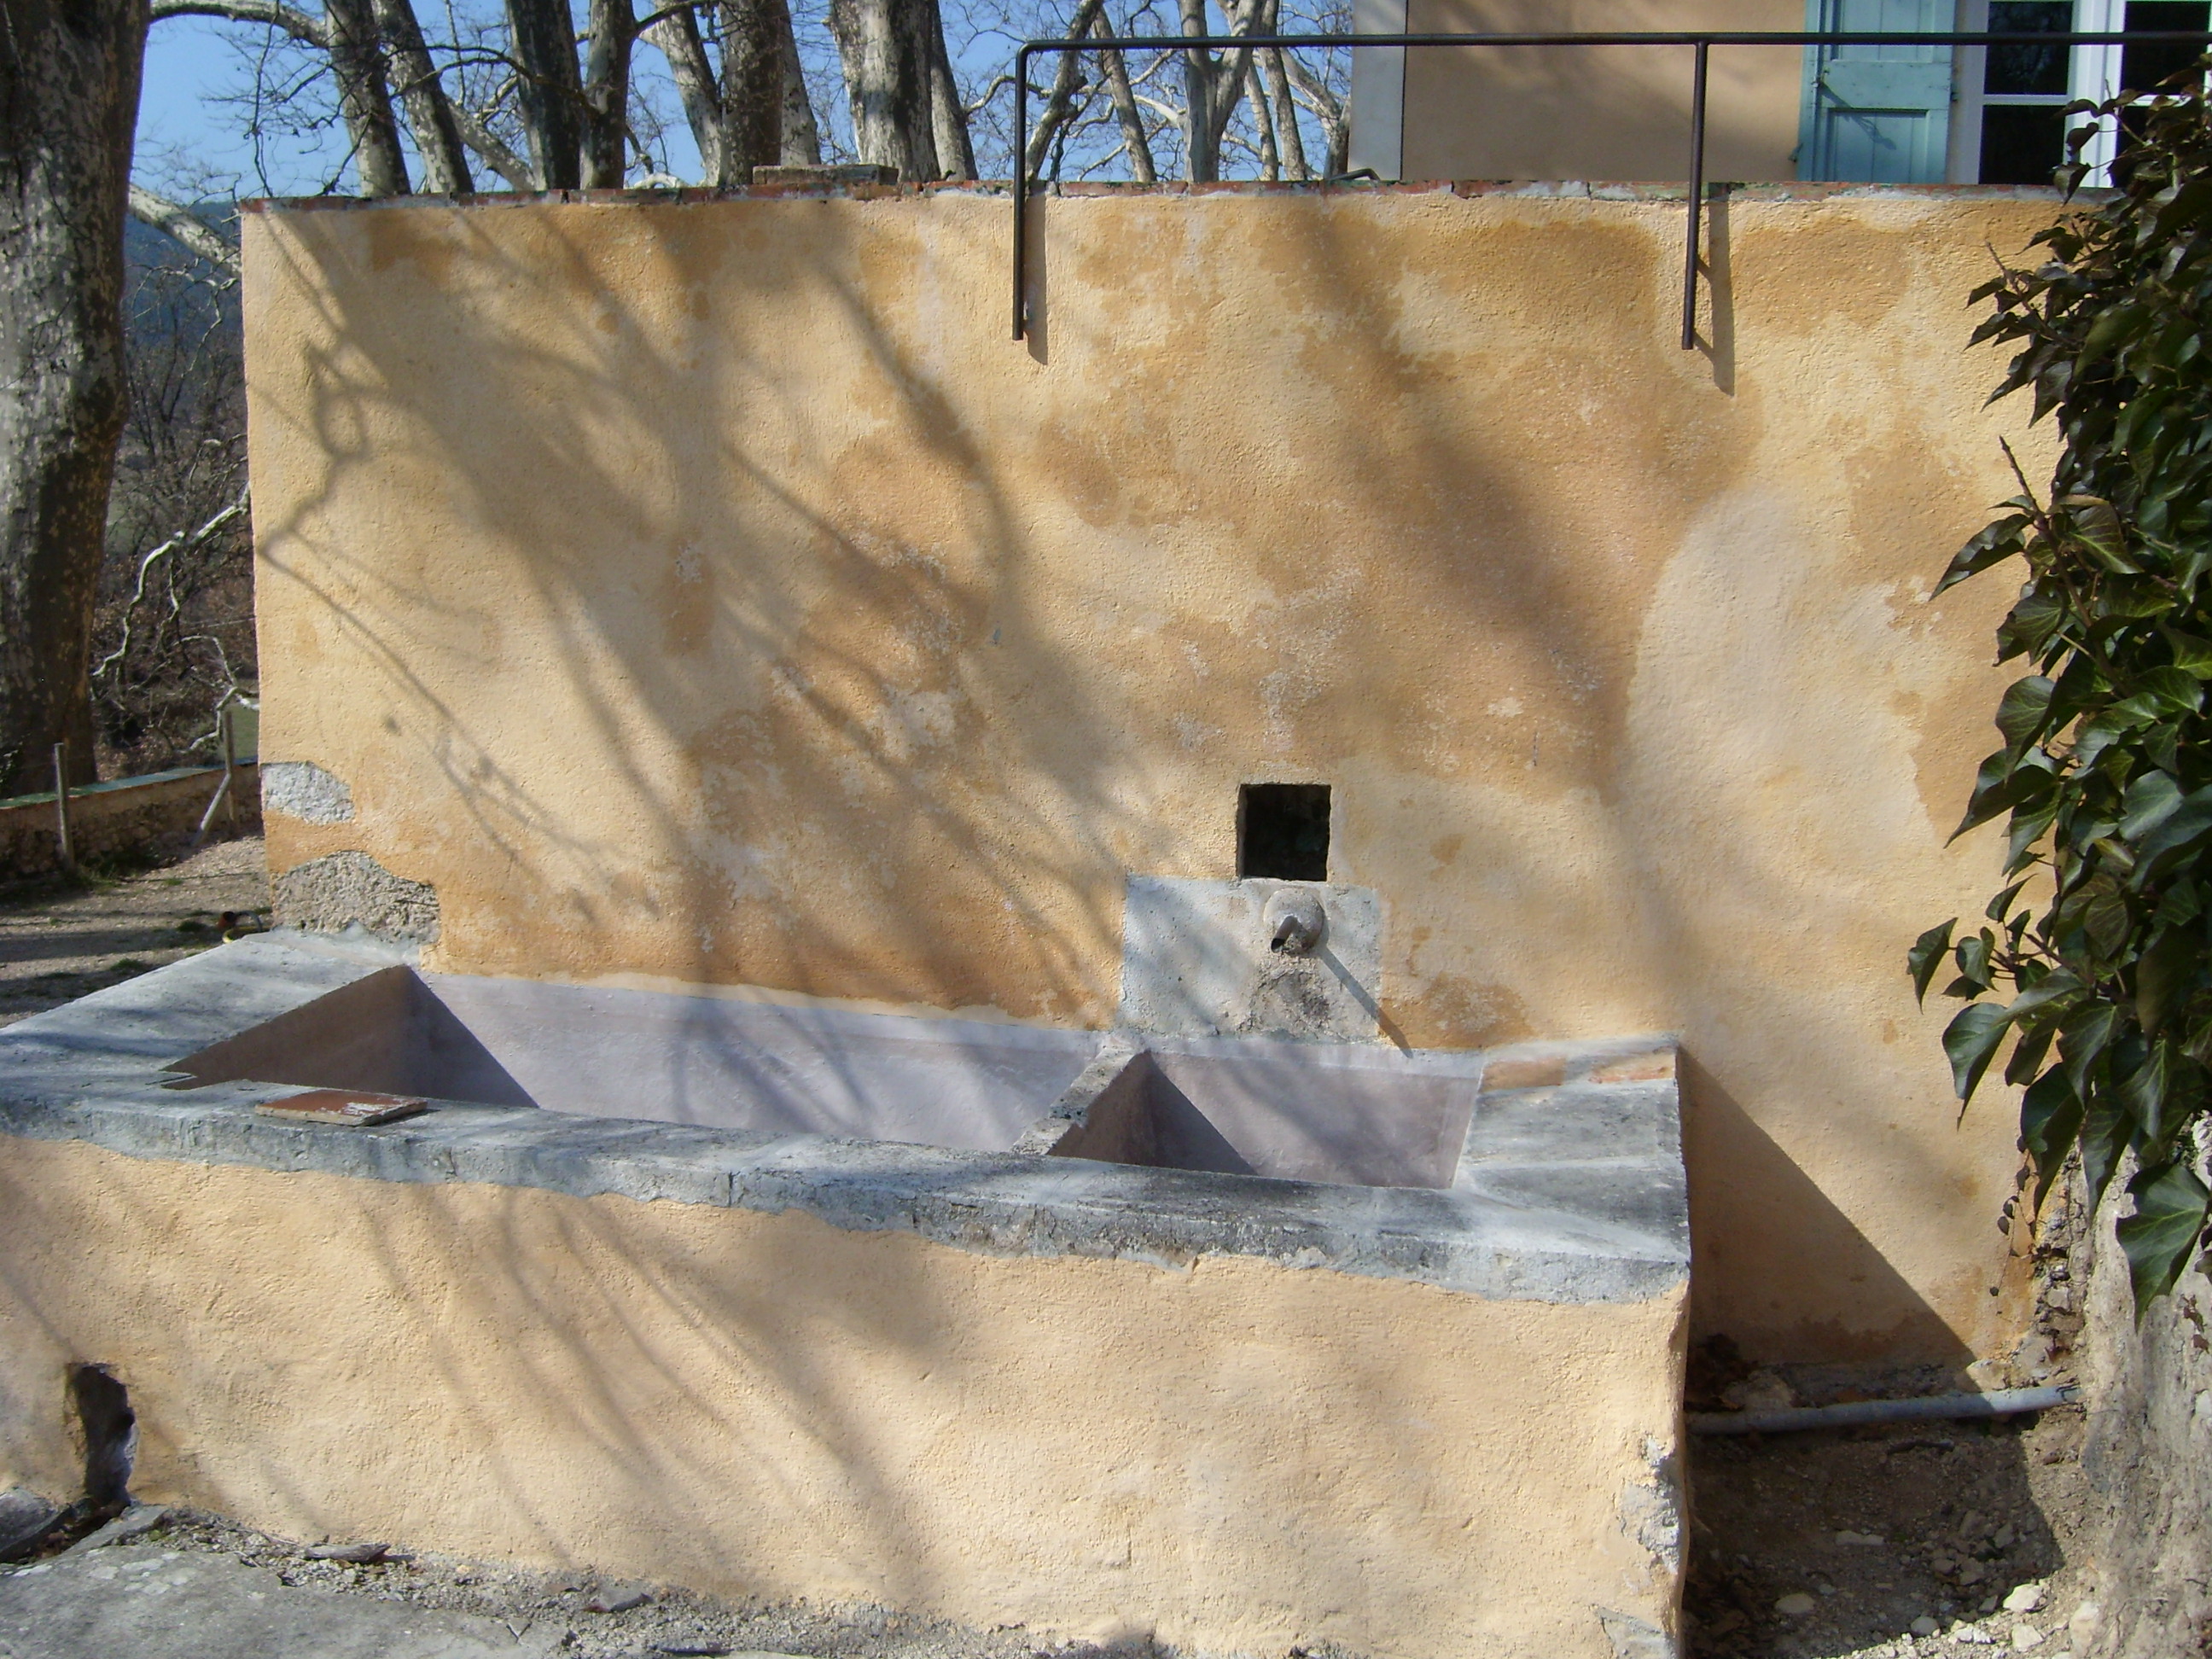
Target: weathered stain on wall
[711,592]
[1232,1454]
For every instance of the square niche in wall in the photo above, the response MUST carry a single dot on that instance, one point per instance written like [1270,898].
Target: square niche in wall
[1282,831]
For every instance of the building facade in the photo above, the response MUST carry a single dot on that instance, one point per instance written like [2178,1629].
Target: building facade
[1901,114]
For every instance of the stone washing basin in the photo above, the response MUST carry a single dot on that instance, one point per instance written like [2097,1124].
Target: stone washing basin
[1363,1115]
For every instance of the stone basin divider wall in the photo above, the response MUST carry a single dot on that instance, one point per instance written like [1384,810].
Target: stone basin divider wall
[1229,1412]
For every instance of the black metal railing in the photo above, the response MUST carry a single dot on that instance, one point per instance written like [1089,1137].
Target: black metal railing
[1700,43]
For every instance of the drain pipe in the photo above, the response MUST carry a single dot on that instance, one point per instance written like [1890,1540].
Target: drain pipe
[2003,1402]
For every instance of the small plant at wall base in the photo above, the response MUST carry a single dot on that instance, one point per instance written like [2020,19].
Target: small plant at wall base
[2105,987]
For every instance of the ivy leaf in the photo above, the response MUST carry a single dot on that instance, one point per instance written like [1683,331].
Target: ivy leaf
[2108,921]
[2030,623]
[1973,955]
[2027,829]
[2168,963]
[2144,1093]
[2050,1119]
[2029,1052]
[2026,710]
[2150,800]
[2182,905]
[2002,903]
[1993,784]
[2191,656]
[1999,542]
[2162,692]
[1972,1040]
[2103,1137]
[2097,528]
[2169,1217]
[2188,822]
[2083,1038]
[1926,956]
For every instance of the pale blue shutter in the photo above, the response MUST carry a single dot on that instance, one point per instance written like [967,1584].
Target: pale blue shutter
[1876,114]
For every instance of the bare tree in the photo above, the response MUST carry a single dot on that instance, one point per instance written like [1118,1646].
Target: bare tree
[1273,113]
[549,89]
[173,623]
[802,135]
[422,94]
[898,81]
[753,83]
[760,92]
[365,96]
[69,98]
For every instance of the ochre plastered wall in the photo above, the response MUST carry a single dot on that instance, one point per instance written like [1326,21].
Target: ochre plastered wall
[714,592]
[1233,1455]
[1599,111]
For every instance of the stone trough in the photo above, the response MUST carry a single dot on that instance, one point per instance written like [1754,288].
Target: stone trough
[1229,1341]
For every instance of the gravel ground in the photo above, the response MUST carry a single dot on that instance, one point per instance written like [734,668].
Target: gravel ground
[60,941]
[578,1615]
[1911,1540]
[1918,1539]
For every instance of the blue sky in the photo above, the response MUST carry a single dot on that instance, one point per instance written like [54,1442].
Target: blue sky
[188,136]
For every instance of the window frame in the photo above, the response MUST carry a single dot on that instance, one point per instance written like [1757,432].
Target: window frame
[2092,72]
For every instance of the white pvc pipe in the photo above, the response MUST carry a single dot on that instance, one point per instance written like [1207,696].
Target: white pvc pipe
[2003,1402]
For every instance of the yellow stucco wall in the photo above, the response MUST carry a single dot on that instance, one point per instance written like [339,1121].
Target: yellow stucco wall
[1618,113]
[1234,1455]
[714,593]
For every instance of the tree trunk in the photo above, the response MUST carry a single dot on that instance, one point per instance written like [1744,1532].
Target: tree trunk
[423,95]
[1126,111]
[1263,121]
[948,118]
[887,78]
[69,101]
[1060,103]
[677,37]
[606,94]
[549,91]
[802,136]
[1201,161]
[1286,117]
[753,86]
[365,97]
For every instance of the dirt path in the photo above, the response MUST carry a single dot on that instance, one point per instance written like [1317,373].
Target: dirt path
[59,942]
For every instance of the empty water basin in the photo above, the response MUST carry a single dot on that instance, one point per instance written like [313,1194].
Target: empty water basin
[718,1062]
[1358,1114]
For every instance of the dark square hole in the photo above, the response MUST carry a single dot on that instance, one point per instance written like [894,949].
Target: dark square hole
[1282,831]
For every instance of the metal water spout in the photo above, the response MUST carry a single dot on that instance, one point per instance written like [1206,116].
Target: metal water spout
[1294,922]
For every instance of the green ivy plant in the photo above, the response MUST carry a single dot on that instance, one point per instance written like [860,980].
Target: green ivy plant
[2096,960]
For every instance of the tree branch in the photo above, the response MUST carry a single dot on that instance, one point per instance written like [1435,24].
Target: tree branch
[1067,76]
[497,155]
[184,542]
[186,228]
[294,23]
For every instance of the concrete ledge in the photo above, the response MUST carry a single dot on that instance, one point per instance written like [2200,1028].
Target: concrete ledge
[1604,1232]
[1591,189]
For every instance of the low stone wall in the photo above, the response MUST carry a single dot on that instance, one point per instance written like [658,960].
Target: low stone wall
[2149,1456]
[123,815]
